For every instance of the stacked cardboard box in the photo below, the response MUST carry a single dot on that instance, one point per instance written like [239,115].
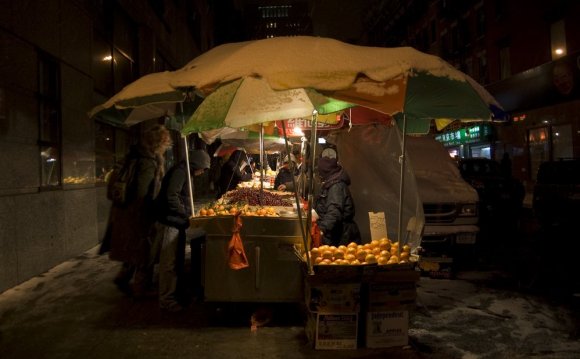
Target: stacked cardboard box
[388,297]
[355,306]
[333,301]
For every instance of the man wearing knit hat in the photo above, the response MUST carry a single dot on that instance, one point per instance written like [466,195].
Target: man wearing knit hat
[334,205]
[174,210]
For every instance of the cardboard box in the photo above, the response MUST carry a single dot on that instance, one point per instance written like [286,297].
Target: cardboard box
[333,298]
[336,331]
[387,329]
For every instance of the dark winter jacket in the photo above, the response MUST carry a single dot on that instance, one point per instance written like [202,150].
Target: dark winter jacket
[335,209]
[173,204]
[231,175]
[284,177]
[132,226]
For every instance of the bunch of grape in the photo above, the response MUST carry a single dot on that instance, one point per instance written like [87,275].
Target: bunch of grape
[252,196]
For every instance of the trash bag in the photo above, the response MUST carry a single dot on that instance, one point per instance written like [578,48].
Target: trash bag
[237,256]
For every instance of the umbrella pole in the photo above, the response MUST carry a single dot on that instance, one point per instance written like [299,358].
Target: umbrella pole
[261,162]
[189,183]
[298,210]
[401,185]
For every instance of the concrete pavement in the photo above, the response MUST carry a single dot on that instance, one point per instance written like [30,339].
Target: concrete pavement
[75,311]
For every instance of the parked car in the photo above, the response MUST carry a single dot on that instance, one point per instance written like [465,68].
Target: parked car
[449,202]
[556,199]
[500,197]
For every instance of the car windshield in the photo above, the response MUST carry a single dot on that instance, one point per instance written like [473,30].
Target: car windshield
[560,172]
[480,168]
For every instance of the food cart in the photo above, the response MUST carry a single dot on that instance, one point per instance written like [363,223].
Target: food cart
[274,273]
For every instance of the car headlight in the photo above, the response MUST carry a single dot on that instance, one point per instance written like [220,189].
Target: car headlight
[468,210]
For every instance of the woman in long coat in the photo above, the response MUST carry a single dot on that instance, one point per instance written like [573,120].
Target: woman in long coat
[132,227]
[335,206]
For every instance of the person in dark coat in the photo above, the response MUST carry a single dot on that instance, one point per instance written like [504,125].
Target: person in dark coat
[283,180]
[233,172]
[132,228]
[335,206]
[174,210]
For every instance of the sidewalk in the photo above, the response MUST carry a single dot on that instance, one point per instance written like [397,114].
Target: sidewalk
[75,311]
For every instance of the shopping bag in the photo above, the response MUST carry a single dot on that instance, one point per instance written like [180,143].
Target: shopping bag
[315,235]
[237,256]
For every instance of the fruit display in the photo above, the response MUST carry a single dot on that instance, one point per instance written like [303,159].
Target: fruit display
[219,209]
[77,180]
[253,197]
[378,251]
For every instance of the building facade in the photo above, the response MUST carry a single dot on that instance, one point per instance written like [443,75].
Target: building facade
[526,53]
[58,59]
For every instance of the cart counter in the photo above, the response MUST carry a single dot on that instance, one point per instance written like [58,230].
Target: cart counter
[274,274]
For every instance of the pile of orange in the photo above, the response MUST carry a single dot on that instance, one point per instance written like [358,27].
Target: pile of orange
[378,251]
[246,210]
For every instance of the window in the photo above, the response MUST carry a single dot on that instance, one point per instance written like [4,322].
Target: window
[123,68]
[444,44]
[111,145]
[482,68]
[464,33]
[102,66]
[480,22]
[504,63]
[433,31]
[49,121]
[124,50]
[500,9]
[454,39]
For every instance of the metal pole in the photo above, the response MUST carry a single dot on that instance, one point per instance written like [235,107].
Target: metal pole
[261,162]
[313,140]
[298,209]
[402,185]
[189,183]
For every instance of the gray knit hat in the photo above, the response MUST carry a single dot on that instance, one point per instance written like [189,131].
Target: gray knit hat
[199,159]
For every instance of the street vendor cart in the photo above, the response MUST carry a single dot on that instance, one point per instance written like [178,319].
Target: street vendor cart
[249,250]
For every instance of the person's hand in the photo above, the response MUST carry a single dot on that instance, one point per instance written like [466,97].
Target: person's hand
[282,187]
[314,216]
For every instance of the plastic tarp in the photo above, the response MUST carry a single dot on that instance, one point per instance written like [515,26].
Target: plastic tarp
[370,154]
[438,178]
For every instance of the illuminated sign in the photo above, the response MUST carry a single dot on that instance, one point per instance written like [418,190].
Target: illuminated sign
[465,135]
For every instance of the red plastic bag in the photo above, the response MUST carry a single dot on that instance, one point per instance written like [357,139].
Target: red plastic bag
[237,256]
[315,235]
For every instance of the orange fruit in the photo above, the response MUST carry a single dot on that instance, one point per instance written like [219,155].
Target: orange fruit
[203,212]
[350,257]
[327,255]
[338,255]
[370,259]
[382,260]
